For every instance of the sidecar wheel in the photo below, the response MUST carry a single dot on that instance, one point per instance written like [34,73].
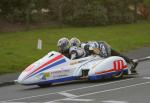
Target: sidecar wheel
[118,75]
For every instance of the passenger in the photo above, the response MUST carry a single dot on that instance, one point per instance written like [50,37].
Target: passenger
[76,51]
[104,50]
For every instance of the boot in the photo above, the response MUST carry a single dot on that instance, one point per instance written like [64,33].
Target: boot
[133,66]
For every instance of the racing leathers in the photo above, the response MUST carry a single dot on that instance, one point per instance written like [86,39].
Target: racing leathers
[104,50]
[93,47]
[76,52]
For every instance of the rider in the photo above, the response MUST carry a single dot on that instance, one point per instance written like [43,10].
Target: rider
[104,50]
[64,46]
[71,49]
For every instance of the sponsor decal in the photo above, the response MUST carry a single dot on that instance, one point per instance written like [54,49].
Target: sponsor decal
[54,74]
[44,76]
[118,65]
[60,73]
[47,74]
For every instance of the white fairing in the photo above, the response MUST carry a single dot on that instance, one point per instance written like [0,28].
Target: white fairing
[55,67]
[106,65]
[38,77]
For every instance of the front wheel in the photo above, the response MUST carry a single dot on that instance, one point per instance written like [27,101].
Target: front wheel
[44,85]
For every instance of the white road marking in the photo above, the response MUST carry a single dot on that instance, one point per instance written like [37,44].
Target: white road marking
[23,102]
[71,96]
[11,102]
[79,100]
[70,90]
[113,101]
[138,84]
[146,77]
[87,94]
[68,94]
[53,102]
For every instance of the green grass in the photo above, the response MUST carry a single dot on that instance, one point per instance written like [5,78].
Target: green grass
[18,49]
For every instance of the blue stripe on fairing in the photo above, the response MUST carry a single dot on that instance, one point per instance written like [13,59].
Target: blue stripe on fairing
[50,66]
[107,75]
[71,78]
[59,80]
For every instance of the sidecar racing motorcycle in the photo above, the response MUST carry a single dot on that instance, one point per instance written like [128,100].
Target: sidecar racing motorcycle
[56,68]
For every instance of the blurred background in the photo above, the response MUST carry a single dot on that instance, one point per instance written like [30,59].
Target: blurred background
[124,24]
[33,13]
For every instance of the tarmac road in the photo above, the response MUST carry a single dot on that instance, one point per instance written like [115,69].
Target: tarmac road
[131,90]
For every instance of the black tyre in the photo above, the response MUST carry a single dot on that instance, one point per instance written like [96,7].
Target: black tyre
[44,85]
[118,75]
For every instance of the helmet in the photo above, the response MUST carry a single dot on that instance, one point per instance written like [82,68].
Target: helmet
[63,44]
[75,42]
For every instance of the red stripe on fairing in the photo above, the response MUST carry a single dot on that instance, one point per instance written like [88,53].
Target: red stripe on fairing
[52,60]
[105,71]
